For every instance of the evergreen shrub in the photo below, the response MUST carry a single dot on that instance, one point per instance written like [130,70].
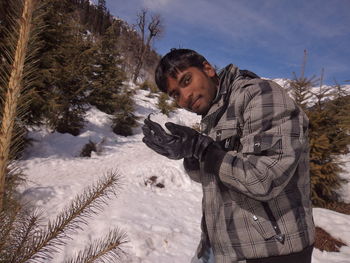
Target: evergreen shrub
[124,118]
[329,137]
[163,104]
[88,148]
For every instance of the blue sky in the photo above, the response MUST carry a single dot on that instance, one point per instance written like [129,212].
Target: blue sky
[267,37]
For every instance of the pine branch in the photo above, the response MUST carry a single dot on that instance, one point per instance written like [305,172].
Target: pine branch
[13,178]
[20,238]
[71,219]
[7,225]
[106,249]
[13,91]
[24,235]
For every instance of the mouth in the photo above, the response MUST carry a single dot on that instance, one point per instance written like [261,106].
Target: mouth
[196,103]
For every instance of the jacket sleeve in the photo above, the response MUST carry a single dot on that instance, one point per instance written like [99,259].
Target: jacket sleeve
[191,166]
[273,141]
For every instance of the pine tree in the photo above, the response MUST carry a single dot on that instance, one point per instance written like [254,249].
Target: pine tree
[124,118]
[65,60]
[340,106]
[328,136]
[86,12]
[300,86]
[324,168]
[102,18]
[107,75]
[69,102]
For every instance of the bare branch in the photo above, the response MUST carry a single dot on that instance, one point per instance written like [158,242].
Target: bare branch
[155,27]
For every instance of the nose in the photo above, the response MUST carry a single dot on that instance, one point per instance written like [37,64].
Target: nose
[185,99]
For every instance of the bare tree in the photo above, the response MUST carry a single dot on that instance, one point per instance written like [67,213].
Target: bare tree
[148,31]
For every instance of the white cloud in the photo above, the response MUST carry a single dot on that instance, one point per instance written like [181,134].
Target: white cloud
[155,5]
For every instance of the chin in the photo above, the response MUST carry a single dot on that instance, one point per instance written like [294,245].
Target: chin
[201,111]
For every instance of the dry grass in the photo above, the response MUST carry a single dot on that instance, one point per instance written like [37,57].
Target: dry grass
[325,242]
[339,207]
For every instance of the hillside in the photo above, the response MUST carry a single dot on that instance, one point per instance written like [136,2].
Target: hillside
[76,94]
[162,223]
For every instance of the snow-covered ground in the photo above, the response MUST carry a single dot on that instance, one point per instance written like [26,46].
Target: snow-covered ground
[162,224]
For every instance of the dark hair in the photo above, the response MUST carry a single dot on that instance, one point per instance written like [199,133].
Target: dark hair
[173,62]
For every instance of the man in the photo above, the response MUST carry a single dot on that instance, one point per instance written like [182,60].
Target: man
[251,158]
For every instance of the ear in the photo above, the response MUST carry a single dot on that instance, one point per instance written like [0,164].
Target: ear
[208,69]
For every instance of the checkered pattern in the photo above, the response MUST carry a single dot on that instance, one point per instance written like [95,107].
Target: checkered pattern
[256,184]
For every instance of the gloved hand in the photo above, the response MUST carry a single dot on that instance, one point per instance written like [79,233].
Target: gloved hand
[183,142]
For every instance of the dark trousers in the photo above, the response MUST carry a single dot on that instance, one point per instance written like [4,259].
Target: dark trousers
[303,256]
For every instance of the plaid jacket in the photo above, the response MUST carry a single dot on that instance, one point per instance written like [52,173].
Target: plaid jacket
[255,178]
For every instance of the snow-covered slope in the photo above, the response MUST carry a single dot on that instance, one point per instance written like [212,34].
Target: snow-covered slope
[163,224]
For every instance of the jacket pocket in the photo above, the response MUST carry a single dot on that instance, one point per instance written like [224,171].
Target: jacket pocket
[224,130]
[259,220]
[262,143]
[263,220]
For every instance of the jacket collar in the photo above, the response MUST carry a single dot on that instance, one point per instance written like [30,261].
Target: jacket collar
[227,78]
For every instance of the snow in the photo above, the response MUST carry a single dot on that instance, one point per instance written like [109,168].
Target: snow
[162,224]
[337,225]
[344,191]
[328,91]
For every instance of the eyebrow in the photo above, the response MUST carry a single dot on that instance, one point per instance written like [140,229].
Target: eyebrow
[180,81]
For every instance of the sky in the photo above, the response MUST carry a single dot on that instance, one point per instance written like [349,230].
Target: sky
[267,37]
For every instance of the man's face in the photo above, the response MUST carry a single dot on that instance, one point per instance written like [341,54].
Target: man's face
[194,89]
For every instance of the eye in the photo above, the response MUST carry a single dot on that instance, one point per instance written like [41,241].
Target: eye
[187,79]
[176,96]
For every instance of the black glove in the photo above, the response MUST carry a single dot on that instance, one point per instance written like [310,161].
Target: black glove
[183,142]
